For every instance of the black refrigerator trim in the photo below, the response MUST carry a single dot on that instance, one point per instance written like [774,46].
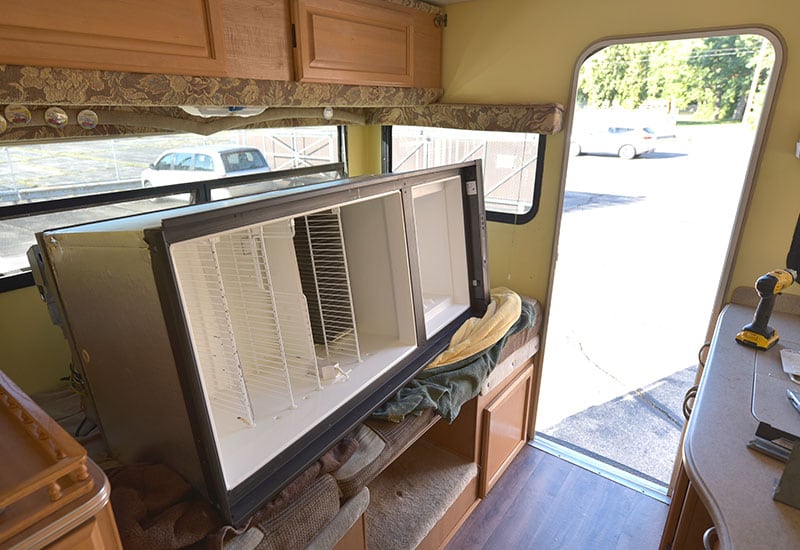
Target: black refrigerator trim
[475,231]
[238,503]
[290,202]
[188,376]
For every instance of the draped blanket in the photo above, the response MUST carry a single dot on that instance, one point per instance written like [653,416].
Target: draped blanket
[457,374]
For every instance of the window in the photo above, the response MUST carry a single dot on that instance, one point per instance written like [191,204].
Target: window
[512,172]
[243,160]
[51,185]
[204,163]
[164,164]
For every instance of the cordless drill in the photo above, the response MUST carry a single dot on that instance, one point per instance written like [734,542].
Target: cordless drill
[759,334]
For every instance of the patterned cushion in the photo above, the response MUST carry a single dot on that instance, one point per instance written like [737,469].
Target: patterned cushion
[295,526]
[380,442]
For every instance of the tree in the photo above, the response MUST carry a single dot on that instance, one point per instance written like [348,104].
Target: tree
[714,74]
[722,74]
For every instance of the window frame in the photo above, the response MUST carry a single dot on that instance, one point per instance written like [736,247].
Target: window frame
[491,215]
[200,191]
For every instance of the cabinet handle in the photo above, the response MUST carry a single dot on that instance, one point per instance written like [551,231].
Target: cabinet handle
[688,402]
[710,538]
[702,354]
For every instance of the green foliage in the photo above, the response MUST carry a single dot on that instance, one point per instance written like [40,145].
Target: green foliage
[713,77]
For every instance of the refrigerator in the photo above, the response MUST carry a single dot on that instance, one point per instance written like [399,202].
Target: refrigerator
[237,341]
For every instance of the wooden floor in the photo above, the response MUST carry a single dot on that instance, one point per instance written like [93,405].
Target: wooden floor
[546,503]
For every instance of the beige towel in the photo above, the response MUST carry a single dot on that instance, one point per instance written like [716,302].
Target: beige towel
[476,335]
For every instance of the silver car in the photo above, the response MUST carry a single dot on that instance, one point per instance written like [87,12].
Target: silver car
[204,163]
[626,142]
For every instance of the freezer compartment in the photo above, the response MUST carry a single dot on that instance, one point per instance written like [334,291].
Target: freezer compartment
[442,250]
[288,319]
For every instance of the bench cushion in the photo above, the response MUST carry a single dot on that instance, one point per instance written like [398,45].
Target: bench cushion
[379,443]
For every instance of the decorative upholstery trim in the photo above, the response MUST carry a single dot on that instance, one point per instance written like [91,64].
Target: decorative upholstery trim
[136,104]
[56,86]
[422,6]
[122,121]
[538,119]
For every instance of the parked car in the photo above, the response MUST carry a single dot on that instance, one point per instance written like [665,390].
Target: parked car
[627,142]
[204,163]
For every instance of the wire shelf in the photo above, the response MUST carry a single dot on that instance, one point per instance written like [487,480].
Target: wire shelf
[326,281]
[248,318]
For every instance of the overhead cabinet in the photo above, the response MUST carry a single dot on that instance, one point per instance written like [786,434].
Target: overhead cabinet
[137,35]
[258,331]
[366,41]
[371,42]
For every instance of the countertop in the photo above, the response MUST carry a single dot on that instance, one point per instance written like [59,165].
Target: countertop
[734,482]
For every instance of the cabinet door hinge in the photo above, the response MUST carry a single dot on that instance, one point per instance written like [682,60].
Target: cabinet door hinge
[440,20]
[294,36]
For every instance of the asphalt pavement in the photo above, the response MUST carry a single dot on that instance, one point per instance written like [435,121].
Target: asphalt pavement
[641,247]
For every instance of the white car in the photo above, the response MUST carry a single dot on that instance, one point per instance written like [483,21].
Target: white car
[627,142]
[204,163]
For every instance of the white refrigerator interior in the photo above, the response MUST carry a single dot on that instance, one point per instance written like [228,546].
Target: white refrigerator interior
[289,317]
[441,246]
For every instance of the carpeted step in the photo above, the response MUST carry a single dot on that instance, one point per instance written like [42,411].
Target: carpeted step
[413,494]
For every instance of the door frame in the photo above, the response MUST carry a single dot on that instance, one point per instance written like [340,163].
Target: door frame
[753,166]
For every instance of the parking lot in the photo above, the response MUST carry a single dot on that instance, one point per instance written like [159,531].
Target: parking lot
[641,247]
[37,172]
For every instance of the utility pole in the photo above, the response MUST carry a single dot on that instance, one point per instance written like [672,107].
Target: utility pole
[751,95]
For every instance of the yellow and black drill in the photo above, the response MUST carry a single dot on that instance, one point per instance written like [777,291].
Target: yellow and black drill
[759,334]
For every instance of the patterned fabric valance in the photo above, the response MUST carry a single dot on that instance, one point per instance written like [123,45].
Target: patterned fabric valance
[135,104]
[537,119]
[55,86]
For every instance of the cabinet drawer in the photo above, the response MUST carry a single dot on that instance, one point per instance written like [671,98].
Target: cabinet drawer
[505,427]
[364,42]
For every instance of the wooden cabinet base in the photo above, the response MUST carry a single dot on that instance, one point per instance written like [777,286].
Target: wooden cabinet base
[355,538]
[688,521]
[98,533]
[458,512]
[492,428]
[505,430]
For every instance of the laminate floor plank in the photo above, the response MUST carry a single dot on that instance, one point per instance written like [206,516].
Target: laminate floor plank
[511,484]
[546,503]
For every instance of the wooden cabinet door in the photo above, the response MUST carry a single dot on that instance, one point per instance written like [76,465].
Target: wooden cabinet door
[160,36]
[505,430]
[366,42]
[257,39]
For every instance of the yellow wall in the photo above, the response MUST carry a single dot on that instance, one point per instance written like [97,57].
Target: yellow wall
[517,51]
[364,150]
[35,353]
